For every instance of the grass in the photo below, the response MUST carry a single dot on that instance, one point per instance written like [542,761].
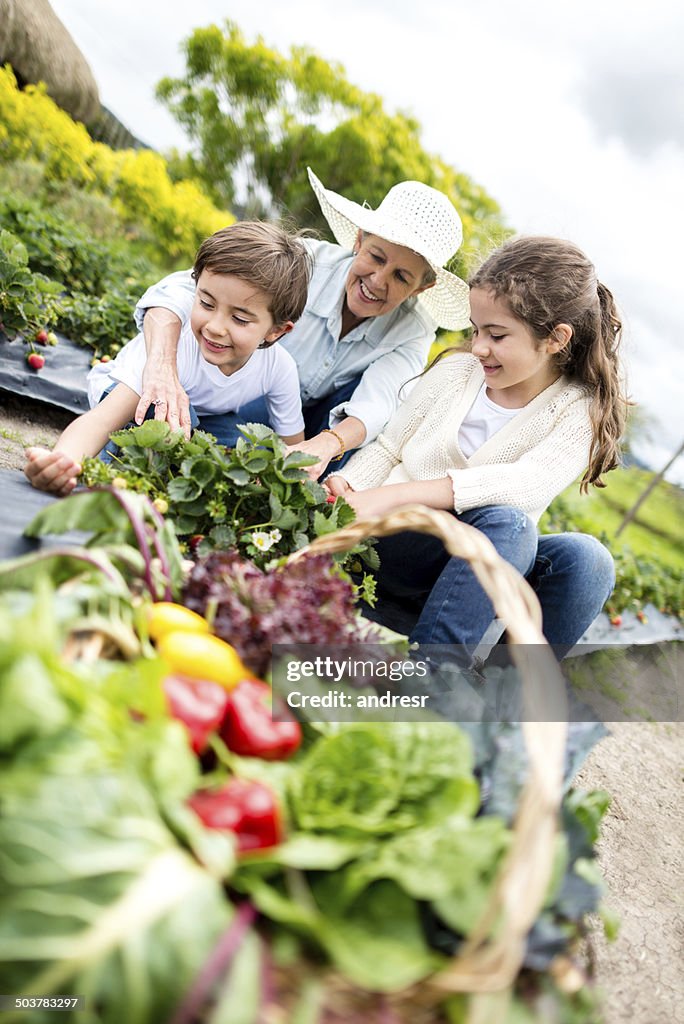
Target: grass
[655,533]
[11,435]
[14,437]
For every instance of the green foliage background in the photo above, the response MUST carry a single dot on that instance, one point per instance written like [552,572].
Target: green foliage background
[256,115]
[649,554]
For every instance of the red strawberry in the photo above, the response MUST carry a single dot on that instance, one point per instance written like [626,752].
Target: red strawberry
[105,359]
[42,337]
[35,361]
[616,620]
[642,616]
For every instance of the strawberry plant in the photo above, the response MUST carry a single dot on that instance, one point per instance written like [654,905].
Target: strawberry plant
[97,283]
[639,580]
[28,301]
[254,497]
[101,322]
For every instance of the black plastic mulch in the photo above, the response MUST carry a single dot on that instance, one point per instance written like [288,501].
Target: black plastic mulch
[20,504]
[61,382]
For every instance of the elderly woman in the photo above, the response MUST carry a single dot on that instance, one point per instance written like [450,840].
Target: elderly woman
[375,302]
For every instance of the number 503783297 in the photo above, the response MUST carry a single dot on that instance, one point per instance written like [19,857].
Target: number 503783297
[27,1002]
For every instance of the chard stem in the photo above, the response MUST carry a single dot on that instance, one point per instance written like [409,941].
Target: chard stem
[217,964]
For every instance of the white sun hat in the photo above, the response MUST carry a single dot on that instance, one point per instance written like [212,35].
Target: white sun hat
[416,216]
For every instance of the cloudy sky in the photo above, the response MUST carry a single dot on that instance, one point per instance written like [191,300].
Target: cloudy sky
[571,114]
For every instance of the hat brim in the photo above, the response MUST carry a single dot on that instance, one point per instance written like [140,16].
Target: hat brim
[446,302]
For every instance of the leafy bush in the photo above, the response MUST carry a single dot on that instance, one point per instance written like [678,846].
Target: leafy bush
[640,580]
[28,301]
[178,214]
[92,285]
[254,497]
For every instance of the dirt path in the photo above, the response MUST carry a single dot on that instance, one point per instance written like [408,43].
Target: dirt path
[24,423]
[641,850]
[641,853]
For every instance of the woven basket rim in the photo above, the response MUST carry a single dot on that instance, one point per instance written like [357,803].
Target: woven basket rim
[492,956]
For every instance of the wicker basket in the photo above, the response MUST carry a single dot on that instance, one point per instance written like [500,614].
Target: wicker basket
[490,960]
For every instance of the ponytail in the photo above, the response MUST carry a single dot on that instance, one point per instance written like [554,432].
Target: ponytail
[592,357]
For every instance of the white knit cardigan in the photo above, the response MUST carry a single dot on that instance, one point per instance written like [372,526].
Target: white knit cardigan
[526,463]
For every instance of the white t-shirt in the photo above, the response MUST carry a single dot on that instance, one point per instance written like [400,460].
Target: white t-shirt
[482,420]
[269,373]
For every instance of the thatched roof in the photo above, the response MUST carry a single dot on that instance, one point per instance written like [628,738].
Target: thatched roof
[39,48]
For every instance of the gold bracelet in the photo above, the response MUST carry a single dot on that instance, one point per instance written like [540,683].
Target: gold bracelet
[336,458]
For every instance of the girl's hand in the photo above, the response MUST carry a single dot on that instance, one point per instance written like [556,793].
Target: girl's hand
[55,472]
[337,485]
[376,501]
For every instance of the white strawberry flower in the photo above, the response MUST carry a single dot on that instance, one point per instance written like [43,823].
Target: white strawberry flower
[262,541]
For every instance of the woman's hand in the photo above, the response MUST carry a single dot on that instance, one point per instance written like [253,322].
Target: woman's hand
[160,384]
[324,446]
[55,472]
[162,389]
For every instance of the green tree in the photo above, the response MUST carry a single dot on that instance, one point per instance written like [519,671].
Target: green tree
[258,118]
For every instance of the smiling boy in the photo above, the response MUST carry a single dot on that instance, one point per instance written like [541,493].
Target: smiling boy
[251,286]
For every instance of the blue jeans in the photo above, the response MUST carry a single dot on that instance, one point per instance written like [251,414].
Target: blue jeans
[444,603]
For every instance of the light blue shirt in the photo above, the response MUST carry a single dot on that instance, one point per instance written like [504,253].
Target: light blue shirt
[387,350]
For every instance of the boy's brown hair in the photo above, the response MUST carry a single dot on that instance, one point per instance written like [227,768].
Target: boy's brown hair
[273,260]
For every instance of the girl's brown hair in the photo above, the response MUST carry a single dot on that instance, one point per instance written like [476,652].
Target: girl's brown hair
[547,282]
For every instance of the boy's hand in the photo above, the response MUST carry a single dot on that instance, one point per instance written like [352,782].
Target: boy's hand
[55,472]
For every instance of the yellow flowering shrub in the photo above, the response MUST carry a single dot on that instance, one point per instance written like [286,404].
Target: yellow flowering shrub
[177,214]
[33,125]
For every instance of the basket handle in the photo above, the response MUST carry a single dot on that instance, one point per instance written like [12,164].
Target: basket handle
[491,958]
[514,600]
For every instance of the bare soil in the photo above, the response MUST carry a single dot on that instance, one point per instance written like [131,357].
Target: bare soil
[24,423]
[641,850]
[641,853]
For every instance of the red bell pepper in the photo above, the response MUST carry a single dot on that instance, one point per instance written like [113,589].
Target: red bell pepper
[249,728]
[242,806]
[199,704]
